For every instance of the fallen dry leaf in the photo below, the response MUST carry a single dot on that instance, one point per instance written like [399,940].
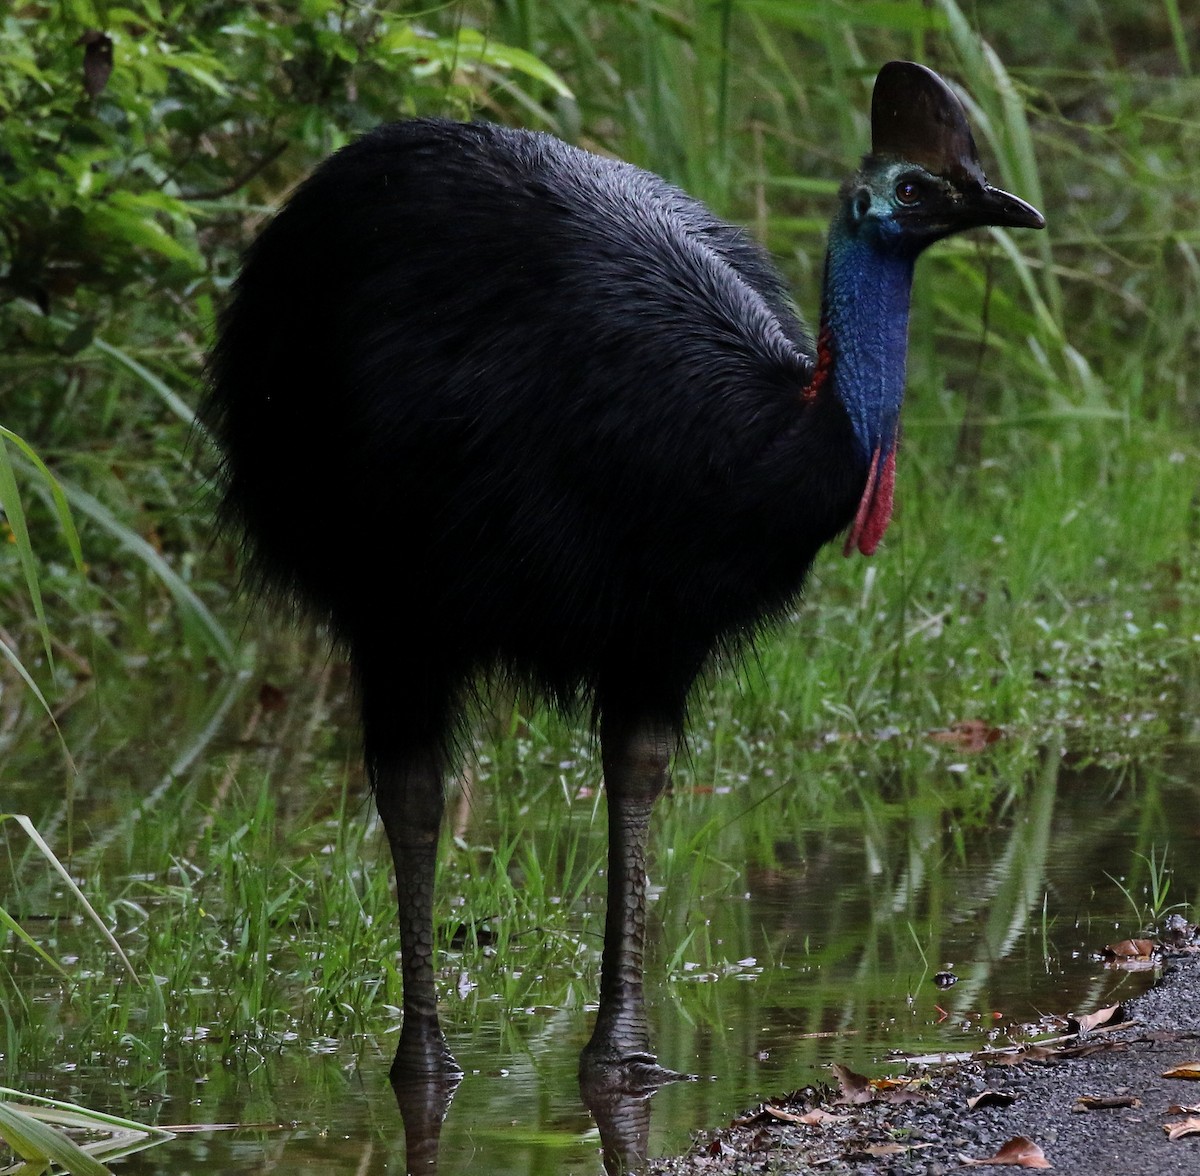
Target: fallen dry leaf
[1105,1102]
[1187,1070]
[1132,955]
[856,1088]
[1013,1057]
[891,1149]
[901,1090]
[1130,949]
[814,1118]
[1179,1130]
[1176,1109]
[762,1141]
[991,1098]
[1020,1152]
[902,1083]
[968,735]
[1113,1015]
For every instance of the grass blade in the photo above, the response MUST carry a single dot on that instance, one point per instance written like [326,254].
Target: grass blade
[14,512]
[191,607]
[10,655]
[36,1142]
[6,920]
[62,872]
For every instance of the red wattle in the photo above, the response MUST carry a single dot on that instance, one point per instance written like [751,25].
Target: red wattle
[875,506]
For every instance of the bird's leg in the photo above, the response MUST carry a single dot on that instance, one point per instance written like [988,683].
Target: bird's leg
[636,758]
[409,797]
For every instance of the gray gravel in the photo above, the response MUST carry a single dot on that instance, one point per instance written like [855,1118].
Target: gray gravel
[1129,1061]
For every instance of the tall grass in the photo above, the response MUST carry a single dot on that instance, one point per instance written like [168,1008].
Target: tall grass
[1040,577]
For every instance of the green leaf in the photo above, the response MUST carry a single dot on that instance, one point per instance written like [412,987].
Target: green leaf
[58,498]
[879,14]
[473,43]
[14,511]
[6,920]
[156,384]
[129,218]
[10,655]
[50,856]
[34,1141]
[191,607]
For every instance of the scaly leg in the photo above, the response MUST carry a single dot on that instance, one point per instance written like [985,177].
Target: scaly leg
[636,758]
[409,796]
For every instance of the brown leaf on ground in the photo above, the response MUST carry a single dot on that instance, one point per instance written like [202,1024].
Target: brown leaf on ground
[1113,1015]
[1020,1152]
[1176,1109]
[763,1141]
[1036,1053]
[814,1118]
[904,1082]
[1190,1126]
[1013,1057]
[1186,1070]
[991,1098]
[968,735]
[856,1088]
[876,1150]
[1105,1102]
[1131,949]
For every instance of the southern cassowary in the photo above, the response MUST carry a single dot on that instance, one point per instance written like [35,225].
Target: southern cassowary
[495,408]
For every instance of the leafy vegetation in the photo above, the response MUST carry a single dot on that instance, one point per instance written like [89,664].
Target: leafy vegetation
[1040,578]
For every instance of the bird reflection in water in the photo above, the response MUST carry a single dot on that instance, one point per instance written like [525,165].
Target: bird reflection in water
[620,1107]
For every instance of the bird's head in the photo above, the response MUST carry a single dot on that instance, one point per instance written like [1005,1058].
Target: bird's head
[923,180]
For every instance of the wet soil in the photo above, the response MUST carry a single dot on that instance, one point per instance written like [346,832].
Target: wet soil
[927,1127]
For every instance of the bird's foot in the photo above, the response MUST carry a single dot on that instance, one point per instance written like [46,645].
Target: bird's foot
[632,1072]
[423,1055]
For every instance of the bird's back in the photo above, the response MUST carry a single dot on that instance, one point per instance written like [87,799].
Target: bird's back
[523,402]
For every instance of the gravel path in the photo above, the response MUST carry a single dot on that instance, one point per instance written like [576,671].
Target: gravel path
[929,1129]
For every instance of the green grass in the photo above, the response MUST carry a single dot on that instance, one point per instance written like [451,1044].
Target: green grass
[1040,577]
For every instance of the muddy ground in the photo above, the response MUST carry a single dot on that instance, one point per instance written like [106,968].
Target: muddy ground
[927,1127]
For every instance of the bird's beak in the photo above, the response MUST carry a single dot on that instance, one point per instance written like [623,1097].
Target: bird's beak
[1004,210]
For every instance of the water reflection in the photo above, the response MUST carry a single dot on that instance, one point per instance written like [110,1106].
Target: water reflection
[618,1103]
[785,935]
[423,1101]
[622,1114]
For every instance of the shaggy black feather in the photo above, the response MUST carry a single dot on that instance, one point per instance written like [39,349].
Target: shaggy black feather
[490,404]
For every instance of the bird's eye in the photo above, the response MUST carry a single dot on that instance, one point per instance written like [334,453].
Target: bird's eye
[908,192]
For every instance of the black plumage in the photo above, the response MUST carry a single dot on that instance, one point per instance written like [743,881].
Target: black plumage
[494,406]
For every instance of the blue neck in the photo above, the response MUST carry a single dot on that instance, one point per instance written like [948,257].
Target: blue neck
[865,311]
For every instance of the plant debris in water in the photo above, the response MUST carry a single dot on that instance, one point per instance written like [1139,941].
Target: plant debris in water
[1074,1102]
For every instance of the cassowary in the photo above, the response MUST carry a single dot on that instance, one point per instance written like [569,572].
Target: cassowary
[495,408]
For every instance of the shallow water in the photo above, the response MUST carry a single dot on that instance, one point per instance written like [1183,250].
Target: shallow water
[819,946]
